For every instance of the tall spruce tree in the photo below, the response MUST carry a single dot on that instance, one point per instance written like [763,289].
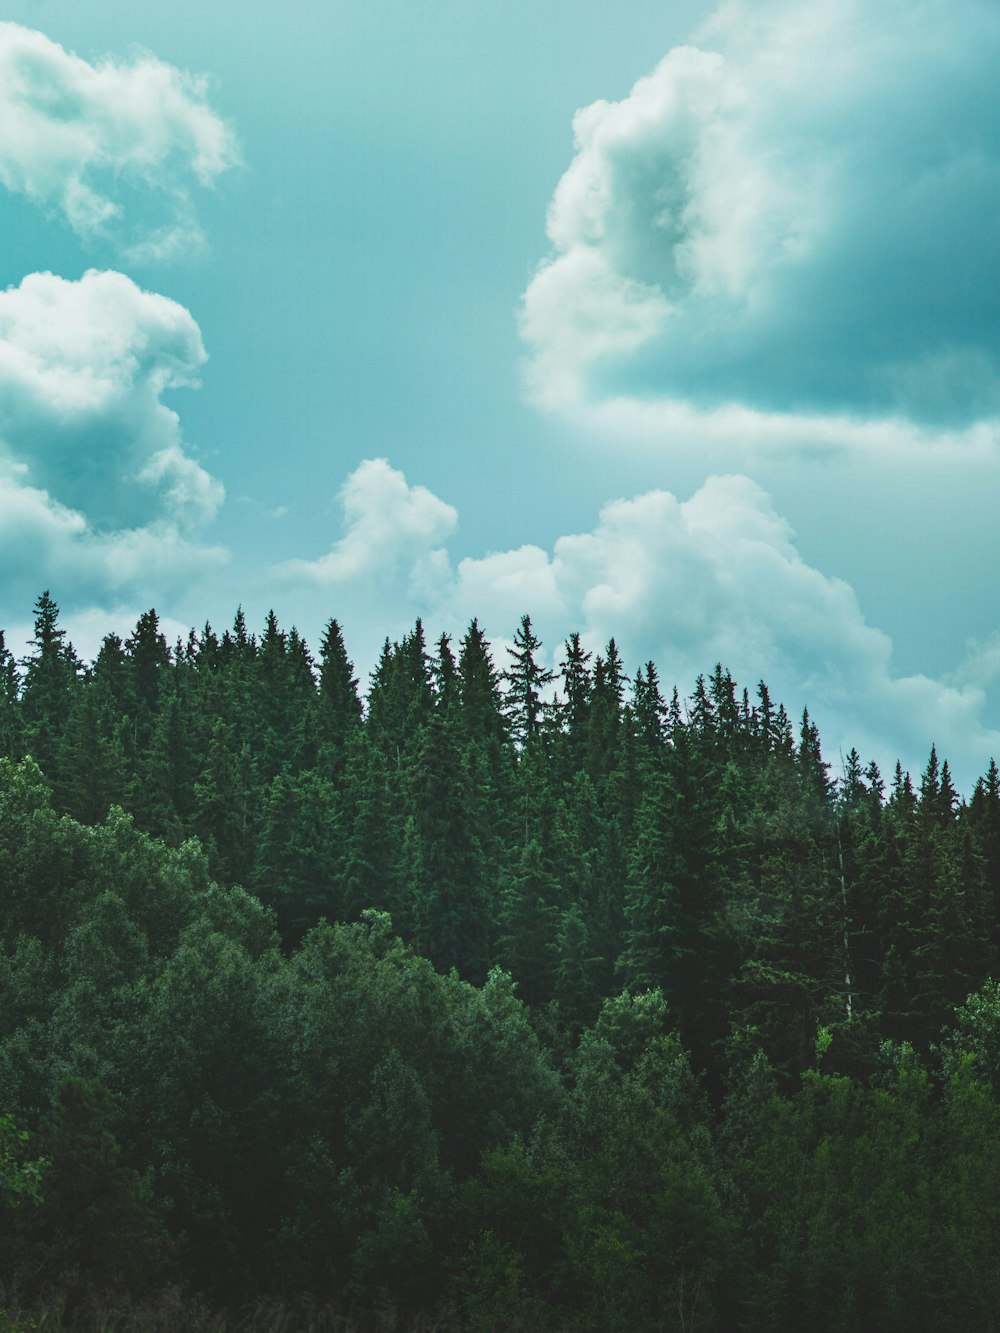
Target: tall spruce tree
[10,704]
[451,901]
[51,678]
[525,678]
[479,689]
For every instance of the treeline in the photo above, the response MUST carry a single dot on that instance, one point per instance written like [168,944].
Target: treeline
[504,1001]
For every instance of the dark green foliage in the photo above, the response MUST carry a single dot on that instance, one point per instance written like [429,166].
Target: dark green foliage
[51,674]
[338,707]
[280,1094]
[479,690]
[525,680]
[10,712]
[94,1231]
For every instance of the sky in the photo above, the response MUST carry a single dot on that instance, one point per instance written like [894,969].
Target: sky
[679,325]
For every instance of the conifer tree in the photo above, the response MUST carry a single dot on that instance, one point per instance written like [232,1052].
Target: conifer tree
[10,704]
[338,706]
[372,822]
[226,799]
[51,676]
[574,672]
[604,715]
[401,698]
[451,906]
[649,711]
[479,689]
[149,660]
[164,799]
[529,922]
[444,670]
[525,680]
[299,869]
[815,773]
[93,761]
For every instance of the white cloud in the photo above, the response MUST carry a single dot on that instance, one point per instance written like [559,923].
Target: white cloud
[83,367]
[96,489]
[793,220]
[74,136]
[46,543]
[388,525]
[980,667]
[686,583]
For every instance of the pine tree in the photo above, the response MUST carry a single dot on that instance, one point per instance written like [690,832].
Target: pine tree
[479,689]
[372,821]
[401,698]
[528,925]
[226,799]
[815,773]
[164,796]
[338,705]
[574,672]
[51,677]
[299,870]
[604,716]
[93,760]
[10,704]
[525,680]
[451,907]
[650,711]
[149,660]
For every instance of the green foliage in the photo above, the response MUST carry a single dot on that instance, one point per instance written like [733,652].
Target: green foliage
[319,1005]
[20,1179]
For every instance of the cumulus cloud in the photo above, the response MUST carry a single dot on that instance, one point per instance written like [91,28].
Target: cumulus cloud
[388,526]
[83,367]
[793,217]
[686,583]
[44,542]
[96,488]
[75,138]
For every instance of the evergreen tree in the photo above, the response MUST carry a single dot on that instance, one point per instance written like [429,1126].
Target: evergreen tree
[372,820]
[479,690]
[649,711]
[525,680]
[528,927]
[51,677]
[444,671]
[676,936]
[605,715]
[94,761]
[401,698]
[149,660]
[10,705]
[338,686]
[574,672]
[451,906]
[226,798]
[299,869]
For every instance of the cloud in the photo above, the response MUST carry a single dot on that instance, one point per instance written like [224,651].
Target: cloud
[389,525]
[980,667]
[794,219]
[83,367]
[75,138]
[96,489]
[45,543]
[686,583]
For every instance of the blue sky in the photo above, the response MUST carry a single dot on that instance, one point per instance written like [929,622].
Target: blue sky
[679,325]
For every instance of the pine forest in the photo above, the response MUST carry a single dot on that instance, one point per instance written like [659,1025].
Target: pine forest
[487,997]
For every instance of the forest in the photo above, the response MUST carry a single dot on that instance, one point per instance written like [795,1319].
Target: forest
[486,998]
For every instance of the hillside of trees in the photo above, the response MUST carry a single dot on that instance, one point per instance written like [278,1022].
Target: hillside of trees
[488,999]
